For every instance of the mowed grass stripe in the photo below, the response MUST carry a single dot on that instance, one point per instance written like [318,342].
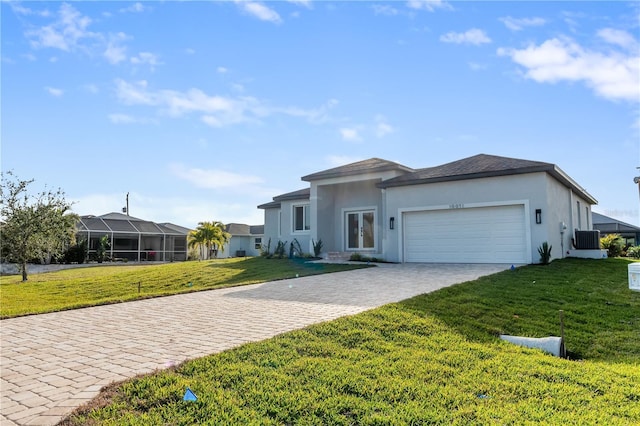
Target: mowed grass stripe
[91,286]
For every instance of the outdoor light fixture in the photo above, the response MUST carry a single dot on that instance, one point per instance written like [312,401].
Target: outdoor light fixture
[538,216]
[392,221]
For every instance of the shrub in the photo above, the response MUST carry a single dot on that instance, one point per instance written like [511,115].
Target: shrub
[103,246]
[317,247]
[76,253]
[356,257]
[265,251]
[613,243]
[280,251]
[634,251]
[545,253]
[296,248]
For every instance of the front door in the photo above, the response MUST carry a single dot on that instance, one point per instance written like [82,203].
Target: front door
[360,230]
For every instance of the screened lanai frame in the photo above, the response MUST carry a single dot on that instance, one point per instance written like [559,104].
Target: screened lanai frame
[134,239]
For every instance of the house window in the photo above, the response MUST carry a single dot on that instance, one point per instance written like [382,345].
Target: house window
[586,211]
[301,218]
[257,244]
[579,215]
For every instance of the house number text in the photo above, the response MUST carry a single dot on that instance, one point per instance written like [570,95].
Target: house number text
[456,206]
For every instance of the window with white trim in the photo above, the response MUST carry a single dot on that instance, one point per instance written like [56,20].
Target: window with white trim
[257,243]
[301,218]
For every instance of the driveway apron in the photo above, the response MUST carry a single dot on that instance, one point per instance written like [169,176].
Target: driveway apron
[51,364]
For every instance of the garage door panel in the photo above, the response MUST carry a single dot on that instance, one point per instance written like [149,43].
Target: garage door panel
[481,235]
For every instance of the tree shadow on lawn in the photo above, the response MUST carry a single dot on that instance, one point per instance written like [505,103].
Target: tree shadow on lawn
[601,315]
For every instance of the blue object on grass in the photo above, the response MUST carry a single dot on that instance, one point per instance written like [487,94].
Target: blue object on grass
[189,396]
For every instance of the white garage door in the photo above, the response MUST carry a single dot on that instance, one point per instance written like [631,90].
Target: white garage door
[473,235]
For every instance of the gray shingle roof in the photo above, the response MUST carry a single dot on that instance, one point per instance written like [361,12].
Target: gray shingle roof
[372,165]
[238,229]
[301,194]
[482,166]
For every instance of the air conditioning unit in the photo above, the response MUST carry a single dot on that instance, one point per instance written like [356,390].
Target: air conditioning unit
[587,240]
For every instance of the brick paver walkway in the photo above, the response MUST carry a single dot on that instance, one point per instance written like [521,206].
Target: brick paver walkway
[52,363]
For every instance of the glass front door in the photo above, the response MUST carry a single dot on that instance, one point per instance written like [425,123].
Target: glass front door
[360,230]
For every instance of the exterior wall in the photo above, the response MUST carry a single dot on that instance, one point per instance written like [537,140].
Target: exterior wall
[527,189]
[244,243]
[271,227]
[333,201]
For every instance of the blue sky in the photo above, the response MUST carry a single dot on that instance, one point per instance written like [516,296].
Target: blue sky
[203,110]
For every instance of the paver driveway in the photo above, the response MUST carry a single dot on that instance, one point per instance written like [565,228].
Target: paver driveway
[52,363]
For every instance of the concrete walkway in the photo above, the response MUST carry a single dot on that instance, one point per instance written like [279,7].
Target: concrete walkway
[51,364]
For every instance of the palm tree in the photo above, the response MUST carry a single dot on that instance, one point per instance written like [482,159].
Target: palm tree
[209,237]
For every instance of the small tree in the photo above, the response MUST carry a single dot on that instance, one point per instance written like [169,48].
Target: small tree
[209,237]
[35,227]
[103,246]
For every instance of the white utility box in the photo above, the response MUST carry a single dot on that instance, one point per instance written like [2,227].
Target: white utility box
[634,276]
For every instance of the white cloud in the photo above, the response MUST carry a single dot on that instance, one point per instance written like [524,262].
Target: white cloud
[128,119]
[473,36]
[222,70]
[189,51]
[69,32]
[428,5]
[91,88]
[260,11]
[619,37]
[384,9]
[382,128]
[350,134]
[613,75]
[30,57]
[215,110]
[134,8]
[475,66]
[517,24]
[305,3]
[115,52]
[54,91]
[22,10]
[146,58]
[65,33]
[213,179]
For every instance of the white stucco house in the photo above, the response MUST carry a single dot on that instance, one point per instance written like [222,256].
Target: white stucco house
[246,240]
[481,209]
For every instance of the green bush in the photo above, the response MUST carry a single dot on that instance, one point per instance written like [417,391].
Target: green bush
[613,243]
[545,253]
[317,247]
[280,251]
[76,253]
[634,251]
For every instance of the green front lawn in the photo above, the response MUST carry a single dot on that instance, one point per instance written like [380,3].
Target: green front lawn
[91,286]
[433,359]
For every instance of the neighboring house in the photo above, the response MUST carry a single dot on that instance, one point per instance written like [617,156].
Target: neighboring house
[246,240]
[608,225]
[481,209]
[135,239]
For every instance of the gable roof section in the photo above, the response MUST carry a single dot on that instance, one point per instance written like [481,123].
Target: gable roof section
[301,194]
[482,166]
[372,165]
[240,229]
